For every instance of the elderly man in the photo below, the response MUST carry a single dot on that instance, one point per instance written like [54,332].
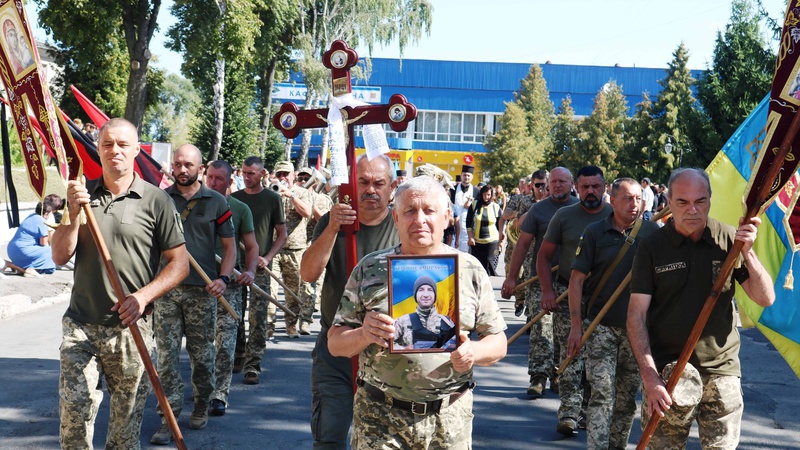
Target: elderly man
[218,178]
[610,366]
[332,377]
[405,399]
[673,273]
[140,223]
[190,309]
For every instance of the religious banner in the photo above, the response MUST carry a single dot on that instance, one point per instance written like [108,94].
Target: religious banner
[29,97]
[784,104]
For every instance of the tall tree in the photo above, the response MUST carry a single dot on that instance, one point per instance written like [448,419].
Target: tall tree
[510,149]
[639,148]
[89,36]
[357,23]
[210,33]
[603,132]
[564,151]
[172,117]
[673,115]
[740,75]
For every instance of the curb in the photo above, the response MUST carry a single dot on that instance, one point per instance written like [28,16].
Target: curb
[16,304]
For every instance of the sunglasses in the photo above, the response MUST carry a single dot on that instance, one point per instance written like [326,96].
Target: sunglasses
[539,185]
[303,178]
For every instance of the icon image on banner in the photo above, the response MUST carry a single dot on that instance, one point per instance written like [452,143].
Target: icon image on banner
[288,120]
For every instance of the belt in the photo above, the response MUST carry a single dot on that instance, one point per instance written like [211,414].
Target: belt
[418,408]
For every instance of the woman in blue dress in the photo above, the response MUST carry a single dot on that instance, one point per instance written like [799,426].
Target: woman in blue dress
[30,247]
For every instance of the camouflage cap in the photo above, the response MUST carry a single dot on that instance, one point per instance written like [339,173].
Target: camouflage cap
[284,166]
[689,389]
[307,171]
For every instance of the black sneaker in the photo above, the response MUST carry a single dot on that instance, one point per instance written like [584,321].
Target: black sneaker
[519,309]
[216,407]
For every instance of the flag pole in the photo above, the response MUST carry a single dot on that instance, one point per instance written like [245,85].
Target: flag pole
[763,188]
[116,283]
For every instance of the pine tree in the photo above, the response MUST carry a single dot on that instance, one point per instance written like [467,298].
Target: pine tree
[603,132]
[639,149]
[564,151]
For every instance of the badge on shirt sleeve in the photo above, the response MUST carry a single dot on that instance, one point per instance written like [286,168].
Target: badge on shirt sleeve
[179,222]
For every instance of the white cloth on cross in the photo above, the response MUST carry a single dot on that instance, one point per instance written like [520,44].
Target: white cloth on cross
[374,137]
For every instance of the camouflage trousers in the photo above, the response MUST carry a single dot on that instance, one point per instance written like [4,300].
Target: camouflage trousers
[570,382]
[289,263]
[260,310]
[192,312]
[540,345]
[613,374]
[225,342]
[378,426]
[88,354]
[718,415]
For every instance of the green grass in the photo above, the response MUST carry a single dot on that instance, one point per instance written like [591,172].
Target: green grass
[24,192]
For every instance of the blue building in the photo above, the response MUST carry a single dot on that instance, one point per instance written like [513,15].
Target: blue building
[459,102]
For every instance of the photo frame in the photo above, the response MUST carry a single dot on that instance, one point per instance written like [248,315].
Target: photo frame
[420,285]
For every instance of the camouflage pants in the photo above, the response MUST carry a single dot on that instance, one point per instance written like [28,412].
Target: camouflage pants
[613,374]
[540,345]
[225,342]
[570,382]
[377,426]
[289,263]
[718,415]
[192,312]
[260,310]
[92,352]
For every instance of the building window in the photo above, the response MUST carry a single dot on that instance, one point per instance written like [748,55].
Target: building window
[450,126]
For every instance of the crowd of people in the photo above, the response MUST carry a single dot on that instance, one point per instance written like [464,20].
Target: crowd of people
[246,230]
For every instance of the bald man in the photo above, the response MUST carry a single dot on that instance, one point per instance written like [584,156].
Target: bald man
[191,308]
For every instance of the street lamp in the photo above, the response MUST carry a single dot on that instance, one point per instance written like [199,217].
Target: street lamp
[668,148]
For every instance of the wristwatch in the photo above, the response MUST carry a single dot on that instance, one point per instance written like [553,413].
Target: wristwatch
[225,279]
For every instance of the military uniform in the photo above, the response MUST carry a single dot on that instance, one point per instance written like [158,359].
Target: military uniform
[520,204]
[95,345]
[227,326]
[424,329]
[189,310]
[611,368]
[428,378]
[288,260]
[679,273]
[312,290]
[565,230]
[267,213]
[540,344]
[331,376]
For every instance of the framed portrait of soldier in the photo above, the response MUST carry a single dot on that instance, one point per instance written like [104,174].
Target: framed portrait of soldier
[423,301]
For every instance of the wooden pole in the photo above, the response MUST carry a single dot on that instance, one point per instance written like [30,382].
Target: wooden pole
[763,188]
[533,320]
[116,283]
[532,280]
[207,280]
[263,293]
[593,326]
[286,289]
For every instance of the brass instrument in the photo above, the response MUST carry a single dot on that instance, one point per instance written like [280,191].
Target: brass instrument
[512,232]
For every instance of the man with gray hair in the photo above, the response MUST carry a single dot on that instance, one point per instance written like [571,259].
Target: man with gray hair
[407,398]
[332,377]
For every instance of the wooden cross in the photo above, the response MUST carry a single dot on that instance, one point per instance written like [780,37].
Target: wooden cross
[291,120]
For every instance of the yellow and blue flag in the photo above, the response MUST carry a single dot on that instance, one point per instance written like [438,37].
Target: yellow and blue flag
[405,272]
[778,236]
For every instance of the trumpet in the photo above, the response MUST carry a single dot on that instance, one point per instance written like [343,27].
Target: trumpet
[512,232]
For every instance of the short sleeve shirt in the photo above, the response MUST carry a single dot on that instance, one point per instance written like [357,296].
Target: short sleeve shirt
[208,219]
[678,273]
[267,210]
[539,216]
[598,248]
[242,223]
[416,377]
[566,229]
[138,226]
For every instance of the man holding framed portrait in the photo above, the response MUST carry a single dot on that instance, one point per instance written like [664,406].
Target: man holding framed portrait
[427,394]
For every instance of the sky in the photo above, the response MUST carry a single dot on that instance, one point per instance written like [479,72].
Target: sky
[638,33]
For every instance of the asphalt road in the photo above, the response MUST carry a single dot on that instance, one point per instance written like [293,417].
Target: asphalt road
[274,414]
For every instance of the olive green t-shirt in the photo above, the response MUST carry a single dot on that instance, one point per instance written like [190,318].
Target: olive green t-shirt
[242,224]
[566,228]
[267,210]
[599,247]
[679,273]
[368,240]
[137,226]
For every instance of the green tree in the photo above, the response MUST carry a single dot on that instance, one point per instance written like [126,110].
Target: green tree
[210,33]
[603,132]
[171,118]
[638,149]
[102,43]
[564,151]
[357,23]
[510,149]
[740,76]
